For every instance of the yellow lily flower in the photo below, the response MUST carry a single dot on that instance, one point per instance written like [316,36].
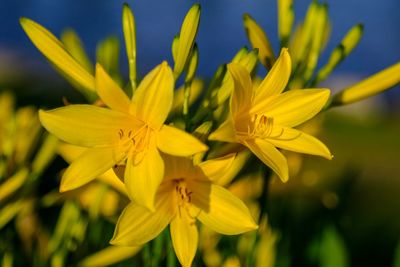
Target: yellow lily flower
[186,194]
[131,132]
[262,118]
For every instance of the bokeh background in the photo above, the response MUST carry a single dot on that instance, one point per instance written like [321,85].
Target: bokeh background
[357,193]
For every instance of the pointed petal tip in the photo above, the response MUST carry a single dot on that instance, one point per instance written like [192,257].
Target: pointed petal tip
[23,20]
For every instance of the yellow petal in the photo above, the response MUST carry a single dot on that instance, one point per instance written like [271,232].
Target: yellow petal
[259,39]
[237,165]
[372,85]
[143,178]
[184,237]
[214,169]
[225,132]
[186,38]
[70,152]
[85,125]
[297,141]
[294,107]
[89,165]
[276,80]
[110,92]
[137,225]
[108,256]
[221,210]
[270,156]
[176,142]
[177,167]
[54,50]
[243,88]
[74,46]
[153,99]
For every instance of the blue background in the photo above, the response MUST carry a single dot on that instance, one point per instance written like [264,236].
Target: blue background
[221,32]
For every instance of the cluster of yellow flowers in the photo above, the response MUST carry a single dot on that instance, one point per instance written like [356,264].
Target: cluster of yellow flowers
[172,164]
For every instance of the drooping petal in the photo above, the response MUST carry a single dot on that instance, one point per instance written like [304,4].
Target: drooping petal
[184,237]
[143,178]
[110,92]
[298,141]
[90,164]
[221,210]
[225,132]
[86,125]
[243,89]
[177,167]
[295,107]
[152,100]
[137,225]
[70,152]
[55,51]
[176,142]
[276,80]
[214,169]
[271,157]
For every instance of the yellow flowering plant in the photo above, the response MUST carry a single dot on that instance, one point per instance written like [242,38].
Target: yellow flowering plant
[170,148]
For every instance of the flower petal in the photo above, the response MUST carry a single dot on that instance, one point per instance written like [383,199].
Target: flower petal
[85,125]
[70,152]
[295,107]
[271,157]
[221,211]
[90,164]
[214,169]
[184,237]
[298,141]
[225,132]
[137,225]
[55,51]
[277,78]
[243,89]
[177,167]
[110,92]
[176,142]
[152,100]
[142,179]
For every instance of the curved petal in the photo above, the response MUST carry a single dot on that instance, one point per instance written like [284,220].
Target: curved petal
[277,78]
[142,179]
[298,141]
[221,211]
[214,169]
[152,100]
[85,125]
[243,88]
[184,237]
[295,107]
[90,164]
[270,156]
[225,132]
[110,92]
[55,51]
[137,225]
[176,142]
[177,167]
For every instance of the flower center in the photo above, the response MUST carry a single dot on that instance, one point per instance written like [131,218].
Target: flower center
[259,126]
[183,198]
[135,141]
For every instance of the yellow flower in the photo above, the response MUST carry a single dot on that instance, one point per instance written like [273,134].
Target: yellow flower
[186,194]
[262,118]
[131,132]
